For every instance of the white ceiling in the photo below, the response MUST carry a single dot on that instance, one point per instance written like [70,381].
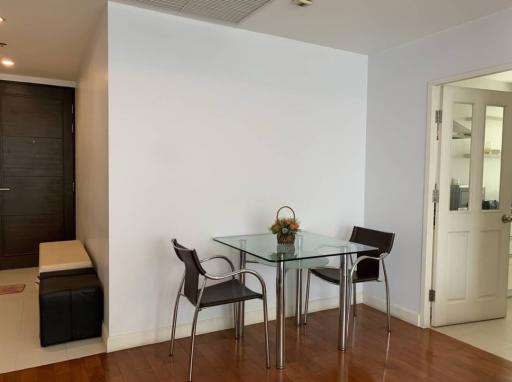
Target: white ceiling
[47,38]
[367,26]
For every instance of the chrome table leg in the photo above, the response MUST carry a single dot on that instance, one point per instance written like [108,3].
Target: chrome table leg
[343,317]
[298,298]
[241,305]
[306,303]
[280,316]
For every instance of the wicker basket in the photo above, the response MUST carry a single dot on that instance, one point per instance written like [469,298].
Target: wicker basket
[288,239]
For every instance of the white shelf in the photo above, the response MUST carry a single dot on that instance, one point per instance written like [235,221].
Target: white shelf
[490,155]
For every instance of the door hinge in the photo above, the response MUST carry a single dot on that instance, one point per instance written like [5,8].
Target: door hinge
[431,295]
[439,122]
[439,116]
[72,127]
[73,186]
[435,195]
[72,109]
[435,215]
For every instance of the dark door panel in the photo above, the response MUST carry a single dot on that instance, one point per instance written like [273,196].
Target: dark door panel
[32,196]
[24,233]
[31,116]
[37,168]
[27,156]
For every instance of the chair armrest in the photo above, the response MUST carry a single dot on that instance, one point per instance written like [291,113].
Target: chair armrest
[361,258]
[220,258]
[238,272]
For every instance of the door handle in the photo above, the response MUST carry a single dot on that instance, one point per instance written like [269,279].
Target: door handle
[506,219]
[5,189]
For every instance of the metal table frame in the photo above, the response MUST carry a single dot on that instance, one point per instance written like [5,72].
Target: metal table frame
[280,301]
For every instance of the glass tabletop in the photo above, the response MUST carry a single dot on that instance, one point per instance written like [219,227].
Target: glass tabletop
[307,246]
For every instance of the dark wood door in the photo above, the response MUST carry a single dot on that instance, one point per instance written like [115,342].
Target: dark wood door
[36,170]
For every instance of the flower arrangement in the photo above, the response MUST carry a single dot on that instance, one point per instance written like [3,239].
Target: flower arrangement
[285,228]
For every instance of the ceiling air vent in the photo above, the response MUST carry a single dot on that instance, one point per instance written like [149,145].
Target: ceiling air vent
[230,11]
[172,5]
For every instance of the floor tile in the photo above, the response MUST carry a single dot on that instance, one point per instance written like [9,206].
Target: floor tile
[19,328]
[78,349]
[31,355]
[493,336]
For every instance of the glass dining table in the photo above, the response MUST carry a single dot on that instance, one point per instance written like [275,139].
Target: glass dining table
[310,250]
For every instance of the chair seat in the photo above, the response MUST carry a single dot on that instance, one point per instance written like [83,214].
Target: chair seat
[227,292]
[332,275]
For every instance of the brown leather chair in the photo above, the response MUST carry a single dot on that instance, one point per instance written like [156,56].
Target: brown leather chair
[364,269]
[231,291]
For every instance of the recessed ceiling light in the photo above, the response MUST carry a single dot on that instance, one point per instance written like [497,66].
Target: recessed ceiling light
[303,3]
[7,62]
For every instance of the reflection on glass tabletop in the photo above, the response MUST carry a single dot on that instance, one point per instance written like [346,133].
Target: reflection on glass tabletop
[307,246]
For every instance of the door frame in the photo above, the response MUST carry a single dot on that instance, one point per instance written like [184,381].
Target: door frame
[434,100]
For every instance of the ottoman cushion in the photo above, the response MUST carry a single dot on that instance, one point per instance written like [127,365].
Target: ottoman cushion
[63,256]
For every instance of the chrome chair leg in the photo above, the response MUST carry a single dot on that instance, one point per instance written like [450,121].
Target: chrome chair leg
[235,317]
[193,333]
[265,321]
[354,298]
[306,303]
[173,331]
[349,298]
[387,295]
[192,343]
[174,319]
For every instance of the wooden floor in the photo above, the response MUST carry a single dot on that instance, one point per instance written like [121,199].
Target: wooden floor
[408,354]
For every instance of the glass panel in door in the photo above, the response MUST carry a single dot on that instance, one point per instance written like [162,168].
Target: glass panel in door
[460,150]
[492,157]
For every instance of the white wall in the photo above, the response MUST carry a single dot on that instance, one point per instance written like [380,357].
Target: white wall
[211,130]
[92,154]
[396,135]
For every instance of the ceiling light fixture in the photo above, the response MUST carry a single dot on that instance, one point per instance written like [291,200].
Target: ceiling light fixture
[7,62]
[1,19]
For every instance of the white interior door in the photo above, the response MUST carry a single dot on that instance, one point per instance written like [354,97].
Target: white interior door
[475,195]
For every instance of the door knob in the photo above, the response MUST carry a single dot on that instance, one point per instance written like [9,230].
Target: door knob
[506,218]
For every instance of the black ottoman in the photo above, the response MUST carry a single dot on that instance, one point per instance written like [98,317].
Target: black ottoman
[70,308]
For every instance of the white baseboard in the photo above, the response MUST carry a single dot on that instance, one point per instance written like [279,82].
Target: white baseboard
[397,311]
[130,340]
[104,334]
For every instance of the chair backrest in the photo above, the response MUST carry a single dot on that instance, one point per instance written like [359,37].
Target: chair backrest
[193,269]
[381,240]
